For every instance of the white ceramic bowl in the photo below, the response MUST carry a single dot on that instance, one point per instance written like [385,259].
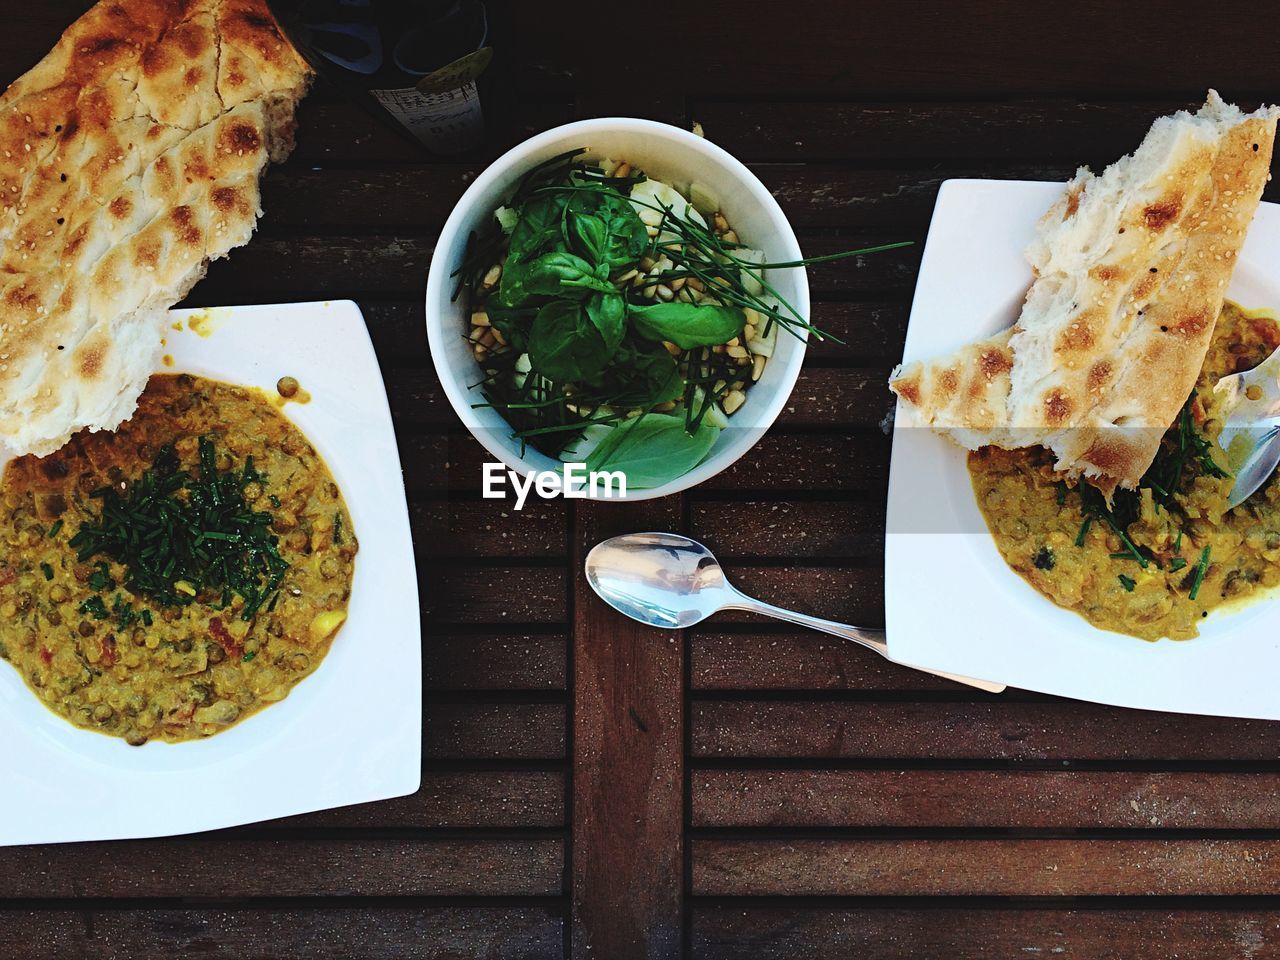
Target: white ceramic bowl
[667,153]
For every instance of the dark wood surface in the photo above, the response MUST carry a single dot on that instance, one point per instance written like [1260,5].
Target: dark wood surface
[591,789]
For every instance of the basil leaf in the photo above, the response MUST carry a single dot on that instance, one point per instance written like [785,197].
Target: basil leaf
[626,239]
[608,311]
[538,227]
[646,375]
[564,345]
[588,235]
[687,325]
[562,274]
[652,450]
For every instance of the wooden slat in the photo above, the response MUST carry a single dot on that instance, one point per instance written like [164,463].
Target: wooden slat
[628,807]
[1000,868]
[763,528]
[797,661]
[333,932]
[284,868]
[1018,129]
[908,50]
[501,731]
[512,799]
[996,730]
[334,131]
[455,594]
[969,933]
[494,662]
[847,594]
[846,463]
[490,529]
[1009,799]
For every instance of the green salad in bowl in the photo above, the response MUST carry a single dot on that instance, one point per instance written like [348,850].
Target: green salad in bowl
[618,319]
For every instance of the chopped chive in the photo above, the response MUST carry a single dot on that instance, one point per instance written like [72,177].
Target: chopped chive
[1177,563]
[1201,568]
[53,530]
[47,571]
[1127,582]
[1062,492]
[1084,530]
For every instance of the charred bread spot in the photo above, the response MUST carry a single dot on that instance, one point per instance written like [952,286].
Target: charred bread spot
[1159,215]
[992,363]
[1073,202]
[241,137]
[1078,336]
[1100,374]
[908,388]
[91,361]
[948,382]
[184,222]
[1057,408]
[1193,324]
[120,207]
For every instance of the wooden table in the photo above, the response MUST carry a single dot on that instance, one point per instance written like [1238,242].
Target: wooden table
[592,789]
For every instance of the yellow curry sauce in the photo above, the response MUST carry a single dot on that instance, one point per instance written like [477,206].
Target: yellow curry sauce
[1051,534]
[184,660]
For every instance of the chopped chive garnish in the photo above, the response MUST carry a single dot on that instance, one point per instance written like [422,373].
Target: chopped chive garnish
[1201,568]
[47,571]
[1127,582]
[53,530]
[1177,563]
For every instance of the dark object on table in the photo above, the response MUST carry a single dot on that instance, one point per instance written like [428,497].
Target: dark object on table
[415,63]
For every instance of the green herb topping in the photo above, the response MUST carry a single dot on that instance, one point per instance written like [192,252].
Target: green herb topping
[180,534]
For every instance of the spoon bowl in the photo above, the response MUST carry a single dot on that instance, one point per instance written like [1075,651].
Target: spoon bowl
[661,579]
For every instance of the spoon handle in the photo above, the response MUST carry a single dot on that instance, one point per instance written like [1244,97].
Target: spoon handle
[871,639]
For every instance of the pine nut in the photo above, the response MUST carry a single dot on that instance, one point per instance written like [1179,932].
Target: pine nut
[671,348]
[738,353]
[477,332]
[735,342]
[647,263]
[696,284]
[718,348]
[497,335]
[622,170]
[737,385]
[678,283]
[719,386]
[480,318]
[633,272]
[753,317]
[732,401]
[487,337]
[651,231]
[697,130]
[665,407]
[491,278]
[757,367]
[729,236]
[480,352]
[748,333]
[664,292]
[720,222]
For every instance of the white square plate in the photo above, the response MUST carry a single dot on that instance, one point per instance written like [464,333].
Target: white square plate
[951,602]
[349,733]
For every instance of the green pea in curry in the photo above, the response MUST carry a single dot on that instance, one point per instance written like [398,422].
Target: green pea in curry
[171,578]
[1158,559]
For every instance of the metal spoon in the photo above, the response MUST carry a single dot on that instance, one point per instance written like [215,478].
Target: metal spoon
[666,580]
[1251,426]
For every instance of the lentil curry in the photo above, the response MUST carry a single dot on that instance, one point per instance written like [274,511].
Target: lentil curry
[171,578]
[1156,561]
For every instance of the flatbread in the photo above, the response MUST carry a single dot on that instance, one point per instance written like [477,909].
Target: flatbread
[1131,268]
[129,158]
